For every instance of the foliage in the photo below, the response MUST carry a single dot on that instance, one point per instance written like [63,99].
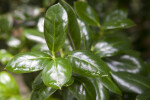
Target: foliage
[78,54]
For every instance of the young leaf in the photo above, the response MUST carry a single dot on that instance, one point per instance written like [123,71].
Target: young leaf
[129,62]
[88,64]
[101,92]
[28,62]
[5,56]
[118,24]
[74,31]
[83,89]
[8,85]
[131,82]
[55,27]
[40,91]
[111,45]
[109,84]
[144,96]
[86,13]
[56,73]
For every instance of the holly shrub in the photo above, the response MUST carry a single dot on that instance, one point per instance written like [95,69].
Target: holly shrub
[81,55]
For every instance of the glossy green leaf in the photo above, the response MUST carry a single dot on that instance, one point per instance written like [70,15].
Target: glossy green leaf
[55,27]
[5,56]
[34,35]
[116,15]
[40,91]
[74,31]
[67,95]
[109,84]
[130,62]
[69,82]
[88,64]
[83,89]
[101,92]
[40,47]
[112,45]
[118,24]
[144,96]
[8,85]
[131,82]
[57,73]
[86,35]
[28,62]
[86,13]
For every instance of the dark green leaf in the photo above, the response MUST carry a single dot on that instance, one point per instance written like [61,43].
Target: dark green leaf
[5,56]
[111,45]
[83,89]
[28,62]
[34,35]
[118,24]
[101,92]
[131,82]
[144,96]
[88,64]
[116,15]
[69,82]
[8,85]
[55,27]
[67,94]
[86,35]
[74,31]
[130,62]
[43,93]
[109,84]
[40,91]
[86,13]
[57,73]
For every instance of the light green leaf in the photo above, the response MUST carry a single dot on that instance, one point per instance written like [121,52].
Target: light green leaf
[28,62]
[57,73]
[8,86]
[55,27]
[5,56]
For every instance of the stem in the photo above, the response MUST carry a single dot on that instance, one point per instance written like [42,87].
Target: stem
[61,52]
[101,30]
[53,55]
